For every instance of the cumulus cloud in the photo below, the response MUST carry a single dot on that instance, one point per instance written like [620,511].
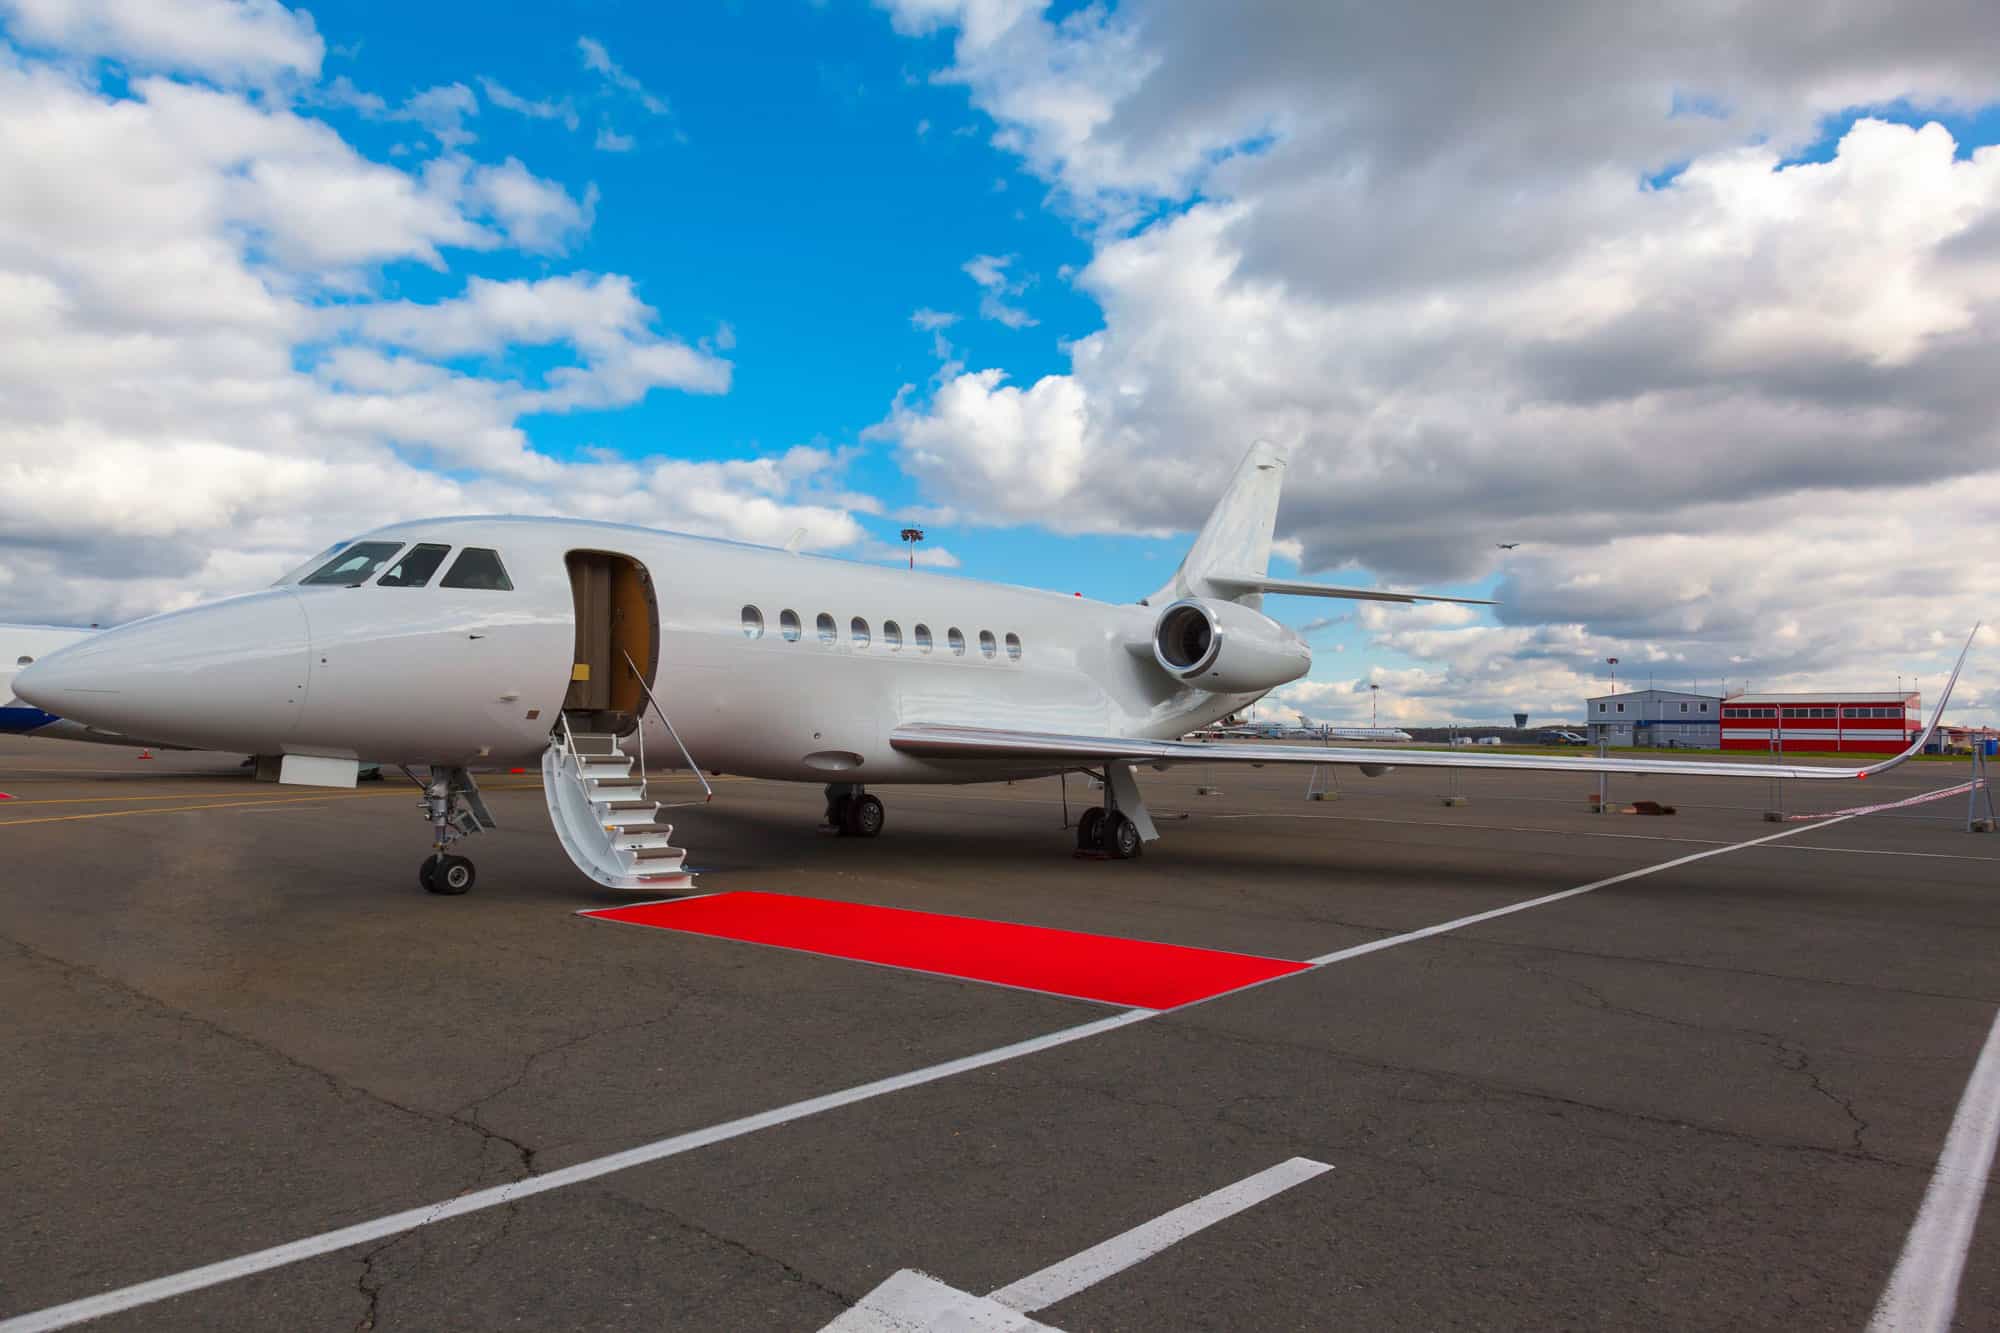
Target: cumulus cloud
[231,41]
[598,60]
[201,386]
[1637,324]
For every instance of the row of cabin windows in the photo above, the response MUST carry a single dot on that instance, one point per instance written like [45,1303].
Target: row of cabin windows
[858,631]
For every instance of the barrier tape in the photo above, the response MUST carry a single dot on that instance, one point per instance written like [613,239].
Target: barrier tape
[1960,790]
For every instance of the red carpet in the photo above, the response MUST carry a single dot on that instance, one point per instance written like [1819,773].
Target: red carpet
[1063,962]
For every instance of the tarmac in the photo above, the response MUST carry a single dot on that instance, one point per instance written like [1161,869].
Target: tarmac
[1692,1071]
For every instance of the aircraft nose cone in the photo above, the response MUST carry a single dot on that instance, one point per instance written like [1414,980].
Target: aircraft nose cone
[228,675]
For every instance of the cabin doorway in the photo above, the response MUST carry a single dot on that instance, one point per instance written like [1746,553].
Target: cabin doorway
[617,626]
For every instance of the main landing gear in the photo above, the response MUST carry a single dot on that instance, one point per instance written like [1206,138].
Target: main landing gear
[852,812]
[455,809]
[1120,828]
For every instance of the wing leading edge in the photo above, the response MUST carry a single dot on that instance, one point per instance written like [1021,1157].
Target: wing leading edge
[938,741]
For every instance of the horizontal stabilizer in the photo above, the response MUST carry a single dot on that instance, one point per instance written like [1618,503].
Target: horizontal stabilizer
[1235,585]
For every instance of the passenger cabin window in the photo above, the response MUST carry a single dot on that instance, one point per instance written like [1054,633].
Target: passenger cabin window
[956,639]
[414,570]
[988,645]
[827,632]
[353,566]
[480,569]
[858,631]
[1014,647]
[922,635]
[892,634]
[788,625]
[753,623]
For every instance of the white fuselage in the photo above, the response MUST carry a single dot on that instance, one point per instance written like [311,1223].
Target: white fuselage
[441,675]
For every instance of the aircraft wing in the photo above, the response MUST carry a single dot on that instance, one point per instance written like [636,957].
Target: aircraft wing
[937,741]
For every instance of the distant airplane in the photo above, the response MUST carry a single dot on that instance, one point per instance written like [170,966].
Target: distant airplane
[450,643]
[1506,546]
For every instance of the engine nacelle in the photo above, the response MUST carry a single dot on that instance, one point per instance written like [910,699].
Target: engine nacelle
[1227,649]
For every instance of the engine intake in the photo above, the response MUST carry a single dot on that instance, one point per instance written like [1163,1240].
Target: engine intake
[1227,649]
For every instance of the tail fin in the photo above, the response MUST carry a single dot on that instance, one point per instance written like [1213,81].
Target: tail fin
[1237,537]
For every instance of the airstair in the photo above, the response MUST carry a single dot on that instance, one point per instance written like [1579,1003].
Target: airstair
[602,813]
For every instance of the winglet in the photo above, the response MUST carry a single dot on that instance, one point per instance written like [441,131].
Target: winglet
[1937,714]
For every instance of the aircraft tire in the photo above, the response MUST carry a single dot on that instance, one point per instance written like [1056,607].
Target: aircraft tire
[865,816]
[1090,830]
[448,876]
[1121,837]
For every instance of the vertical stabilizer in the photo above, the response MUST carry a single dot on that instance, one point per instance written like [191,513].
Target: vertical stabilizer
[1236,540]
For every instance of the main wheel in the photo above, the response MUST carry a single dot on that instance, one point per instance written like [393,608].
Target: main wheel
[1090,830]
[450,875]
[1121,837]
[864,816]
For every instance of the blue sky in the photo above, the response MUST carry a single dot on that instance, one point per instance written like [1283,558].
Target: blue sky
[281,273]
[808,185]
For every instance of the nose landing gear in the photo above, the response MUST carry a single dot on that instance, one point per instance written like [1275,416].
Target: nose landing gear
[455,809]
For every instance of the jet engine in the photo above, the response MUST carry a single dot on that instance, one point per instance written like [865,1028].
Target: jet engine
[1227,649]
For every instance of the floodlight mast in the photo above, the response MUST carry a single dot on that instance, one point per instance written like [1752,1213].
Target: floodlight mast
[1612,662]
[913,536]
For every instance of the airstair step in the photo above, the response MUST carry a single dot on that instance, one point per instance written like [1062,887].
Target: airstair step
[641,855]
[604,766]
[614,789]
[677,879]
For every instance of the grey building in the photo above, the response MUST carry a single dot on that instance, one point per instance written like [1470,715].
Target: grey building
[1665,718]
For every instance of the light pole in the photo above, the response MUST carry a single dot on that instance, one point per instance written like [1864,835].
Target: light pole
[1612,662]
[913,536]
[1373,690]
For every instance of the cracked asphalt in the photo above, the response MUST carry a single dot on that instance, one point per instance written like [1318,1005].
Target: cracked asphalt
[1710,1097]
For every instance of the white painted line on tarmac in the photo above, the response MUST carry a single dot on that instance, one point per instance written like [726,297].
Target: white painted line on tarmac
[913,1302]
[227,1270]
[1057,1282]
[1459,923]
[1923,1291]
[194,1279]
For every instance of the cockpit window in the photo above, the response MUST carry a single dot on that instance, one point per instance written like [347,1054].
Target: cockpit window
[477,567]
[414,570]
[354,565]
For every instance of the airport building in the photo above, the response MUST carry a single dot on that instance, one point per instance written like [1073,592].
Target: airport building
[1669,719]
[1862,721]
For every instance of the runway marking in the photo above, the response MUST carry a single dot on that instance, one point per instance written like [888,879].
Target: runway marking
[1923,1291]
[1062,1280]
[910,1300]
[278,1256]
[1070,963]
[229,805]
[227,1270]
[1493,914]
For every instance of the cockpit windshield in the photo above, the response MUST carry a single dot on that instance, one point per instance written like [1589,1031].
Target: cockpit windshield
[414,570]
[354,565]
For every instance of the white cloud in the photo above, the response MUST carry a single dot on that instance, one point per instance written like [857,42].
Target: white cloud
[231,41]
[599,60]
[188,410]
[611,141]
[507,100]
[1482,313]
[930,320]
[990,272]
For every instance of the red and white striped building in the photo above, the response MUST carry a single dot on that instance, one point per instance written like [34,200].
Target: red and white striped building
[1863,723]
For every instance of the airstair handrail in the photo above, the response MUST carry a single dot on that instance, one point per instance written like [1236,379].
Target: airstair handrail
[647,690]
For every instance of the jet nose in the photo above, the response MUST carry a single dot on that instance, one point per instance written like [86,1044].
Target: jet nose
[228,675]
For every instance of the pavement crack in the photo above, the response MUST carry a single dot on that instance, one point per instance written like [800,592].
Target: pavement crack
[792,1272]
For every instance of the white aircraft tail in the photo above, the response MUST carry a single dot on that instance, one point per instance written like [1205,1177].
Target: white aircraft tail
[1236,540]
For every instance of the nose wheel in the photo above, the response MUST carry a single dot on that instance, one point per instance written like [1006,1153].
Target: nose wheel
[852,812]
[454,809]
[446,874]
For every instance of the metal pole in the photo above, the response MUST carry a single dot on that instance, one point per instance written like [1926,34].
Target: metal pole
[1604,777]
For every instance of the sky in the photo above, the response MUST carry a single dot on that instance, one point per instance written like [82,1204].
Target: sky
[1697,306]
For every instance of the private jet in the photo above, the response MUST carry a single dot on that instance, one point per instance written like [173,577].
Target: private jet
[452,644]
